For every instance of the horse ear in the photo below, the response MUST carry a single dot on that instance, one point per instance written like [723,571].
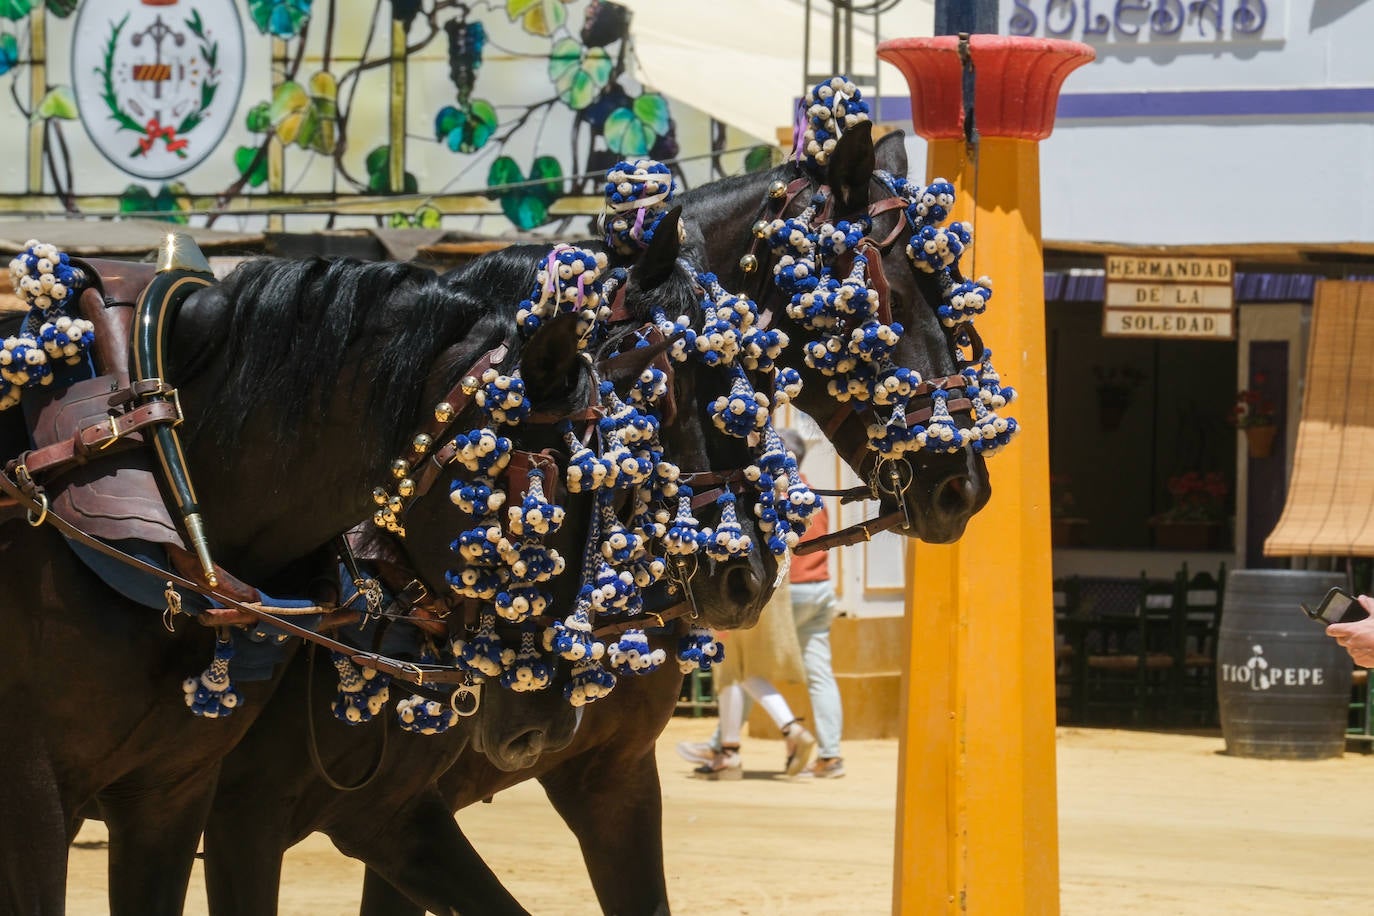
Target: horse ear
[889,153]
[549,361]
[851,167]
[656,264]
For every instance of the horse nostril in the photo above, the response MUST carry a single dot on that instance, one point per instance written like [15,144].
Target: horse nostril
[955,496]
[526,743]
[741,585]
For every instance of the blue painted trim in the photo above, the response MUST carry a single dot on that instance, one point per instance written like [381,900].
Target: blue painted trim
[1093,106]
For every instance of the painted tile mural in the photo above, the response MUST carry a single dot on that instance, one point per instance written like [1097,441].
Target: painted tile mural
[300,114]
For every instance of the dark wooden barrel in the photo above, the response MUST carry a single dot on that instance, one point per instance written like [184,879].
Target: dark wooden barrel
[1282,683]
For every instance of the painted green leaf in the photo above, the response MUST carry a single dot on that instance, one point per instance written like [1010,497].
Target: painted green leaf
[58,103]
[503,171]
[548,168]
[760,158]
[15,9]
[525,210]
[378,164]
[538,17]
[446,121]
[282,18]
[171,200]
[652,109]
[259,118]
[243,160]
[135,199]
[626,134]
[62,8]
[578,75]
[565,58]
[9,53]
[428,217]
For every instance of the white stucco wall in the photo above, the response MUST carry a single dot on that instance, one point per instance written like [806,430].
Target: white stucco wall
[1216,177]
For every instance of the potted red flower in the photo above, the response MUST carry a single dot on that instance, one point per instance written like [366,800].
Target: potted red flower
[1256,416]
[1194,521]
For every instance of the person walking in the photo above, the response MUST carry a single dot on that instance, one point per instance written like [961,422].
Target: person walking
[805,616]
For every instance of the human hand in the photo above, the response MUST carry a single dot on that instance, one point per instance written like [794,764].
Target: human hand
[1357,638]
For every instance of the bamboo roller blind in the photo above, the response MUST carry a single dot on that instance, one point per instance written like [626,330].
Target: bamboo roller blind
[1330,506]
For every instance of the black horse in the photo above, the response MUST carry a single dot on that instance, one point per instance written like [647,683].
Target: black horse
[944,490]
[417,847]
[301,381]
[605,785]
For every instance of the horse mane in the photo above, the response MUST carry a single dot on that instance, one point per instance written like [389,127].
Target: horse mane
[298,329]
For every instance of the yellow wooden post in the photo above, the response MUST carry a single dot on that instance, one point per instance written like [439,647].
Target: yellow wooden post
[977,819]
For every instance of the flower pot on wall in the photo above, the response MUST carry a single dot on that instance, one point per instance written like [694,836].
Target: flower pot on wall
[1260,440]
[1068,532]
[1187,535]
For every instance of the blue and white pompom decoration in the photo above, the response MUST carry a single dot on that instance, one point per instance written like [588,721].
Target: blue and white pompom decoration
[44,277]
[787,385]
[941,433]
[423,716]
[728,540]
[631,654]
[833,106]
[587,472]
[527,671]
[684,536]
[363,692]
[483,654]
[483,452]
[502,397]
[476,498]
[568,283]
[213,695]
[743,412]
[699,649]
[638,194]
[571,637]
[931,204]
[588,683]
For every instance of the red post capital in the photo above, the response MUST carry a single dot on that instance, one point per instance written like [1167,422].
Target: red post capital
[1016,82]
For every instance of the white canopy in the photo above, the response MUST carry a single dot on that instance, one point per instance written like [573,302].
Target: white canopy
[741,61]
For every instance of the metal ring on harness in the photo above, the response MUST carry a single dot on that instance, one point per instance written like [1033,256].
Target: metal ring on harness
[465,694]
[42,513]
[894,485]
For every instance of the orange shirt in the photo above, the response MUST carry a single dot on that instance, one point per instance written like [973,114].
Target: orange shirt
[813,567]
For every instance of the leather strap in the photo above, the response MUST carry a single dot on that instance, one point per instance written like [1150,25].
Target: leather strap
[413,673]
[101,434]
[854,534]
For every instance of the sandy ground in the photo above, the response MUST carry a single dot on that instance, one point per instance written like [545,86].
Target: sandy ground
[1149,824]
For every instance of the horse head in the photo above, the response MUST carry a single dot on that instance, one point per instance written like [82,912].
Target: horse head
[937,490]
[726,591]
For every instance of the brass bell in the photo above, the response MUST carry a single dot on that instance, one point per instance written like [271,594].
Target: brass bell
[379,496]
[395,505]
[406,487]
[443,411]
[749,263]
[470,384]
[777,188]
[400,468]
[379,518]
[421,443]
[761,229]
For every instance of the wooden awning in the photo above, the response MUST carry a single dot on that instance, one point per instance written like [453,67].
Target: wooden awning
[1330,506]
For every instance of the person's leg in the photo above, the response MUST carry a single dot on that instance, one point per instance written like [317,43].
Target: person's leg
[800,742]
[813,608]
[724,762]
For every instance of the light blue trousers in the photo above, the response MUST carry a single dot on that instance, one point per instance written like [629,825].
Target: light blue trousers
[814,609]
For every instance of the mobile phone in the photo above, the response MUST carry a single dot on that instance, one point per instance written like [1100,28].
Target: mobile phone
[1339,606]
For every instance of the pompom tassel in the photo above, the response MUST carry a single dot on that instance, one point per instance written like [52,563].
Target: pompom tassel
[363,692]
[423,716]
[698,650]
[589,682]
[212,694]
[632,655]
